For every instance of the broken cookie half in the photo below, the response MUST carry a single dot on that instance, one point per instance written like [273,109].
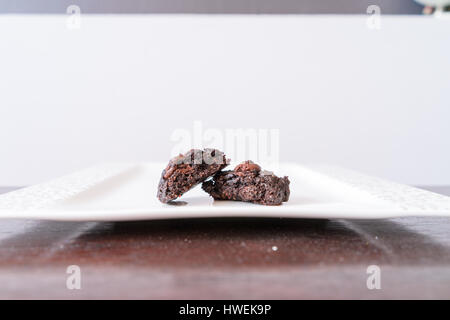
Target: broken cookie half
[187,170]
[247,182]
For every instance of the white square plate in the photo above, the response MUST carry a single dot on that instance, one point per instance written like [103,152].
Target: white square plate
[115,192]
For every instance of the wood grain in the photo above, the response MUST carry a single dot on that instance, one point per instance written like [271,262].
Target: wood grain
[226,258]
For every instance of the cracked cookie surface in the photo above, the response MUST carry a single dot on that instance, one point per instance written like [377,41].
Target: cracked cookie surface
[247,182]
[187,170]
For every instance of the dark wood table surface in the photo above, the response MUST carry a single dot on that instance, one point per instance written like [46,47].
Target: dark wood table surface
[226,258]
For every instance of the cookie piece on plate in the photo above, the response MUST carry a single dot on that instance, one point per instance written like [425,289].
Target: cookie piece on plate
[187,170]
[247,182]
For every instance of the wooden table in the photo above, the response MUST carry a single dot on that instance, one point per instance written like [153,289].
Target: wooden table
[227,258]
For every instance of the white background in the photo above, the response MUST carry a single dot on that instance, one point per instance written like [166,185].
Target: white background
[114,90]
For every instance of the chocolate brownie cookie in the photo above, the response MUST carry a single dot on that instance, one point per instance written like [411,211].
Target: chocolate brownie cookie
[187,170]
[247,182]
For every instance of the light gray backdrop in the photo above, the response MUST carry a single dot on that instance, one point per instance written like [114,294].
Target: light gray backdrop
[114,90]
